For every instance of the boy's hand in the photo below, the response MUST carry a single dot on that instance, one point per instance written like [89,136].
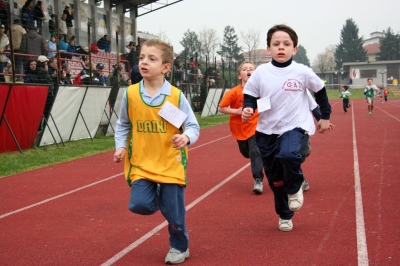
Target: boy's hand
[246,114]
[119,155]
[324,125]
[180,141]
[331,126]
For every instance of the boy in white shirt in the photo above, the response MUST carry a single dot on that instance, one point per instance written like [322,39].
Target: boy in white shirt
[285,118]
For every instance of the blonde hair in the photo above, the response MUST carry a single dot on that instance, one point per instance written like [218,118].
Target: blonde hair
[167,53]
[244,62]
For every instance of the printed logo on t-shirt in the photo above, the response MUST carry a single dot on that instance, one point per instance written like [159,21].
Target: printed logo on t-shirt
[292,85]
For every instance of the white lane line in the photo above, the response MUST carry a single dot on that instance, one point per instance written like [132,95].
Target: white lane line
[388,113]
[362,250]
[135,244]
[87,186]
[57,197]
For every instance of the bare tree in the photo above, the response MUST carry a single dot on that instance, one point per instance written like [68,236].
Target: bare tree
[209,40]
[251,39]
[163,36]
[326,61]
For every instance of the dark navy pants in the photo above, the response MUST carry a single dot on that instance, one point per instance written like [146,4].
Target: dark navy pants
[148,197]
[282,157]
[249,149]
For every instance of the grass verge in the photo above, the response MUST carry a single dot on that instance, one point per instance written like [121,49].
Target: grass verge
[37,157]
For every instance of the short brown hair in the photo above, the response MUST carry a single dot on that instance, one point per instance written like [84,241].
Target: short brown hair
[168,54]
[284,28]
[244,62]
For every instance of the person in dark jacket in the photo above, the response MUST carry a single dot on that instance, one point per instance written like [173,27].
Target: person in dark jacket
[32,43]
[68,21]
[113,82]
[27,15]
[65,75]
[97,79]
[30,72]
[44,78]
[104,43]
[52,25]
[39,16]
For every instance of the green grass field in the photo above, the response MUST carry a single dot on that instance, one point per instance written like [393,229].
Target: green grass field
[37,157]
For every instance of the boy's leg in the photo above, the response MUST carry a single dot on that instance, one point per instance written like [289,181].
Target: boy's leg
[256,165]
[172,207]
[305,151]
[244,148]
[274,173]
[290,158]
[144,197]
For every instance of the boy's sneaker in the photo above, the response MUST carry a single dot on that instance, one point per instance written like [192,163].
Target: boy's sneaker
[174,256]
[285,225]
[258,186]
[305,186]
[370,113]
[296,200]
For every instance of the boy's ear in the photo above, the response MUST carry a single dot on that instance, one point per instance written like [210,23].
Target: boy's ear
[166,68]
[295,50]
[268,50]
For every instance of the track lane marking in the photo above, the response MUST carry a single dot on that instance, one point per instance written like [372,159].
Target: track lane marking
[135,244]
[86,186]
[362,251]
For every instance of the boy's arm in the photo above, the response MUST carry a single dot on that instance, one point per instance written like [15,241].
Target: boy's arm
[191,126]
[322,100]
[123,126]
[228,110]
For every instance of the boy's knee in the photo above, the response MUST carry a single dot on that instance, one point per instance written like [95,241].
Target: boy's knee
[140,208]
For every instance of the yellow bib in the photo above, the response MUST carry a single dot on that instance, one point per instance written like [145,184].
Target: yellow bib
[150,154]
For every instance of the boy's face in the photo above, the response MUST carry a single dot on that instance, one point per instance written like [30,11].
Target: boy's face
[245,71]
[281,48]
[150,63]
[343,89]
[369,82]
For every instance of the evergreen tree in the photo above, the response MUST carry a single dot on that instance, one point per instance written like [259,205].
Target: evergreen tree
[191,44]
[229,48]
[389,46]
[301,56]
[350,48]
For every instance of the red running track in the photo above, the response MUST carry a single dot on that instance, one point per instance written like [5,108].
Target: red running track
[75,213]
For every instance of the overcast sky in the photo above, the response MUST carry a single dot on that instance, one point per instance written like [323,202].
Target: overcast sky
[317,22]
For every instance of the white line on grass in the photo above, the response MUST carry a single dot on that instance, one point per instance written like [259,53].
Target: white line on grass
[165,223]
[360,226]
[87,186]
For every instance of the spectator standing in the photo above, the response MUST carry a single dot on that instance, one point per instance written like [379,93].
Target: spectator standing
[32,43]
[104,43]
[3,58]
[44,78]
[113,82]
[27,15]
[17,31]
[62,26]
[39,16]
[65,75]
[52,25]
[53,72]
[68,21]
[52,47]
[4,15]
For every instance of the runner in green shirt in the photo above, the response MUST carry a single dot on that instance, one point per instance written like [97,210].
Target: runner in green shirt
[370,91]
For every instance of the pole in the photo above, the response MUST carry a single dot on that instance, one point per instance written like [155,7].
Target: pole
[118,60]
[90,51]
[12,58]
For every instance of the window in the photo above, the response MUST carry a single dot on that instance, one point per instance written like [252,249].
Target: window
[368,73]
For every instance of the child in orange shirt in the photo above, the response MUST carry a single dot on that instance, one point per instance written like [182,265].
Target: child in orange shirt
[244,133]
[385,94]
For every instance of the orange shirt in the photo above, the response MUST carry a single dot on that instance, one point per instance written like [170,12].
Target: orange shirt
[240,130]
[385,92]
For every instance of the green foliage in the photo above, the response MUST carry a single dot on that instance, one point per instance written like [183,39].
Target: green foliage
[191,44]
[301,56]
[350,48]
[389,46]
[229,48]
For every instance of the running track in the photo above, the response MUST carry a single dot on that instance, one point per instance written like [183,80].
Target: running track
[75,213]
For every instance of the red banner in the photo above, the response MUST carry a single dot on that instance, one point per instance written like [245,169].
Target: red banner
[23,111]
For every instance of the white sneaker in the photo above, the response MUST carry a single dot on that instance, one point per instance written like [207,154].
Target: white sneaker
[174,256]
[296,200]
[258,186]
[305,185]
[370,113]
[285,225]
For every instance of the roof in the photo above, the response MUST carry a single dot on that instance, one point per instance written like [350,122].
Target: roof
[373,48]
[143,6]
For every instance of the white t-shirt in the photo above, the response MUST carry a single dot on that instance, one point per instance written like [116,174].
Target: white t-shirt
[287,89]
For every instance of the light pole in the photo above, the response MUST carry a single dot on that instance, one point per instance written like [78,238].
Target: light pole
[337,72]
[383,72]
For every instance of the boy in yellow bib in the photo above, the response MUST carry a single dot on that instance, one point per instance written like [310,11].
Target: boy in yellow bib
[155,151]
